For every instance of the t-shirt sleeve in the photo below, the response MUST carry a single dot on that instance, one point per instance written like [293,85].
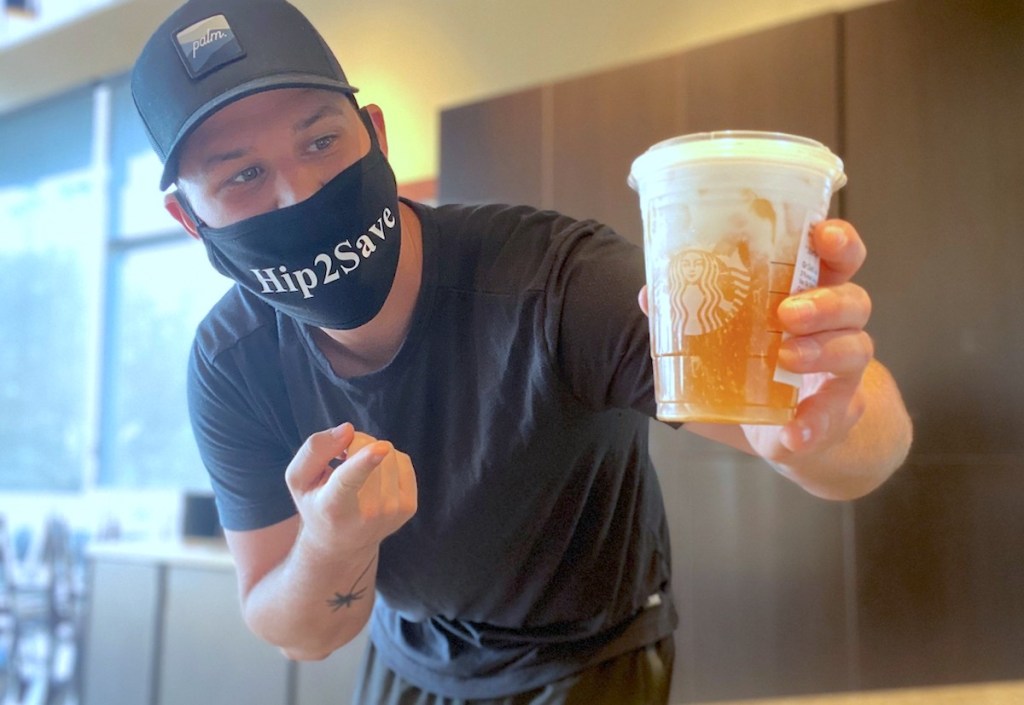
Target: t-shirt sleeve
[598,332]
[245,457]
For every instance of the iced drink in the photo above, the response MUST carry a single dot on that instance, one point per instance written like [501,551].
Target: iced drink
[727,217]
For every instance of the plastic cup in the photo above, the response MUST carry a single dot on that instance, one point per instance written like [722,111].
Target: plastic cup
[727,217]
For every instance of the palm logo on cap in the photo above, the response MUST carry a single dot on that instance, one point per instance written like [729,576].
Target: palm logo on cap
[207,45]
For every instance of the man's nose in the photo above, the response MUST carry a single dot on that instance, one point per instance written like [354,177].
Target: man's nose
[296,184]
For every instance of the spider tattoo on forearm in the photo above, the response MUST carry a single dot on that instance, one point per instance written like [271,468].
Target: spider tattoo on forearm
[346,600]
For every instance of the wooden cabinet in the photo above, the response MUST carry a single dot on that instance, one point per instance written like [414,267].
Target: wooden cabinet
[333,680]
[781,593]
[165,628]
[119,653]
[207,655]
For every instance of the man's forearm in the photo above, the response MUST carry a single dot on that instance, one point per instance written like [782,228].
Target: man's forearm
[310,605]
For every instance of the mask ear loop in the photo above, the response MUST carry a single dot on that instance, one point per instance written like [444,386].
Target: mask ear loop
[187,207]
[364,115]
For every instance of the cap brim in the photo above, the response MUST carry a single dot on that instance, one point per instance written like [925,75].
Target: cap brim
[291,80]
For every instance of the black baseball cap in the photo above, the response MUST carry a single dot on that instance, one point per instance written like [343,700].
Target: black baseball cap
[212,52]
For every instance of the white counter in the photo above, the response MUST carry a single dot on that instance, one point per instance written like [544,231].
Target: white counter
[205,553]
[1006,693]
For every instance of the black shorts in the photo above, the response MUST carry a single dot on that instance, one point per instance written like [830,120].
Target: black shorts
[641,677]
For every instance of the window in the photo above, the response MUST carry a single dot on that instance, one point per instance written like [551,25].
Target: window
[164,290]
[102,292]
[160,285]
[51,244]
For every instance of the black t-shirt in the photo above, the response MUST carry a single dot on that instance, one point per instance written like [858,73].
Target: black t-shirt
[522,395]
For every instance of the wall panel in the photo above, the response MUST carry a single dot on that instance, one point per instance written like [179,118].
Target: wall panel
[492,151]
[935,95]
[601,123]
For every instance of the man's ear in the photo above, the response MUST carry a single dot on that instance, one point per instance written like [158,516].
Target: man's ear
[180,213]
[377,118]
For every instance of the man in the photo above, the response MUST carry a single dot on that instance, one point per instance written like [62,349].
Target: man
[435,420]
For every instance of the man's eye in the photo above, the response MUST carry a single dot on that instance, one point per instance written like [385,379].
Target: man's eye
[246,175]
[322,143]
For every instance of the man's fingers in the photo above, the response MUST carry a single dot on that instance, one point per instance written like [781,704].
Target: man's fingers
[844,306]
[353,474]
[404,500]
[315,455]
[359,441]
[829,413]
[390,494]
[407,484]
[843,353]
[642,300]
[841,250]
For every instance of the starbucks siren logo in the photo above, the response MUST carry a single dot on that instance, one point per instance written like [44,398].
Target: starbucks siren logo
[705,289]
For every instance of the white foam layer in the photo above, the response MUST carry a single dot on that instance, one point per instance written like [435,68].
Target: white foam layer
[737,147]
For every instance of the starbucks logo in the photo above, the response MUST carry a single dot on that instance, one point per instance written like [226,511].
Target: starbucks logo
[705,290]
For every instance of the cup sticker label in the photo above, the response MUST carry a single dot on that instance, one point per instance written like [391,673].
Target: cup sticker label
[808,269]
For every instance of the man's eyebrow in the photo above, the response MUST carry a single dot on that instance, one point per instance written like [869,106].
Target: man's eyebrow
[215,159]
[321,112]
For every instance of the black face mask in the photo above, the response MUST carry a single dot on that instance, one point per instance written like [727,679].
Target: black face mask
[328,261]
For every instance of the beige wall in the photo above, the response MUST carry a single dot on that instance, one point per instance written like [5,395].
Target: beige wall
[416,57]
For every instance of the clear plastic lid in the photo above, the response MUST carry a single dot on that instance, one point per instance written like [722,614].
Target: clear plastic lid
[738,146]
